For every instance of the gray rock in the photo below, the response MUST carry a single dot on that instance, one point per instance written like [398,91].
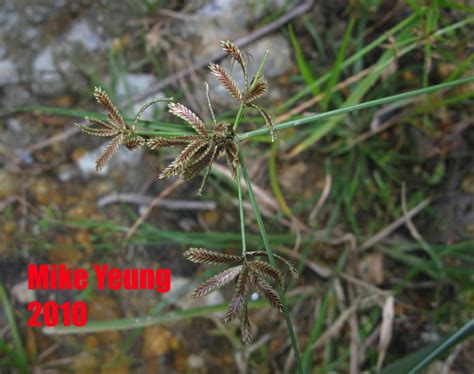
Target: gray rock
[54,70]
[15,96]
[37,13]
[279,59]
[8,73]
[86,163]
[14,125]
[66,173]
[81,33]
[46,77]
[123,157]
[29,33]
[217,20]
[196,362]
[22,293]
[129,158]
[135,84]
[8,20]
[59,3]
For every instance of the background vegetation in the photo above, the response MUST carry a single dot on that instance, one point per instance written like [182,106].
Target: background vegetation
[374,205]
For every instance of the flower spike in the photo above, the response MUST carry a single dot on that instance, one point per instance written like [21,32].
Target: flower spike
[249,273]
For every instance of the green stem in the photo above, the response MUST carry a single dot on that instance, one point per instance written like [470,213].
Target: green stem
[352,108]
[271,259]
[238,117]
[241,212]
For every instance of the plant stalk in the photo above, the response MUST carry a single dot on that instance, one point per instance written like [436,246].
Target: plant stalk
[241,213]
[271,259]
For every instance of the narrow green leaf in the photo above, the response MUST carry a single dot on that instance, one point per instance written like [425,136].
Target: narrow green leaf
[301,62]
[352,108]
[415,362]
[140,322]
[337,67]
[10,317]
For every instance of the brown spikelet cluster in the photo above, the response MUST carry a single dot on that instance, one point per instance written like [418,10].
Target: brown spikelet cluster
[114,127]
[251,91]
[247,272]
[226,80]
[201,150]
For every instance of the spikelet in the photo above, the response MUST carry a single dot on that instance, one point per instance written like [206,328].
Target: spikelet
[290,266]
[268,292]
[251,92]
[232,161]
[248,274]
[239,300]
[105,125]
[157,143]
[193,169]
[114,127]
[204,256]
[235,53]
[258,89]
[266,270]
[268,119]
[201,150]
[97,132]
[246,328]
[226,80]
[108,152]
[217,281]
[179,164]
[135,143]
[114,115]
[214,154]
[187,115]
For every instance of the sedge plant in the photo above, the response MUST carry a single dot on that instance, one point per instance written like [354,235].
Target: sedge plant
[200,151]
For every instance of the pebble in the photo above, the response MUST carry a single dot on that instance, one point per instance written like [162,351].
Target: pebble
[123,157]
[81,33]
[46,78]
[135,84]
[8,73]
[196,362]
[279,59]
[65,173]
[86,163]
[22,293]
[158,341]
[217,20]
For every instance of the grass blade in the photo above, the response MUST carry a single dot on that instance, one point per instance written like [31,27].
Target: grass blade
[336,69]
[140,322]
[352,108]
[415,362]
[301,62]
[22,360]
